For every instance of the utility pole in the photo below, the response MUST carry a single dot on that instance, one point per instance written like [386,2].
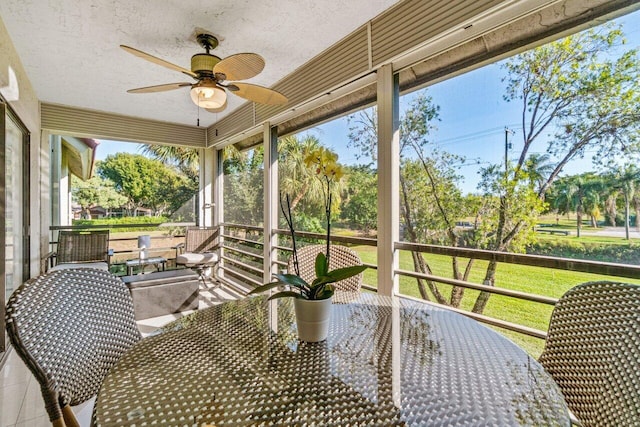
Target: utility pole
[507,146]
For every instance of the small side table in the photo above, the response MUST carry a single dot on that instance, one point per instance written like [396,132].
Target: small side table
[158,261]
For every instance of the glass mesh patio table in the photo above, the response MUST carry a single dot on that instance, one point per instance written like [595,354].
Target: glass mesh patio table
[386,362]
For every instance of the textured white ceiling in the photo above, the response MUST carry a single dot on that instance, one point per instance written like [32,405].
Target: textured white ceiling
[70,48]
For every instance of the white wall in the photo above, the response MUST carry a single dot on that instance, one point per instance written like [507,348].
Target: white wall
[17,90]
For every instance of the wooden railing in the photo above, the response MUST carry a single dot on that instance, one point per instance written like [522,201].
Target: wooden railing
[240,267]
[164,238]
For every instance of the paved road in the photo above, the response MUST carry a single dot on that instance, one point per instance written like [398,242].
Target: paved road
[609,232]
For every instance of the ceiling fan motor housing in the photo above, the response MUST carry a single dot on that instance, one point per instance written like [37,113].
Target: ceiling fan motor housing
[203,63]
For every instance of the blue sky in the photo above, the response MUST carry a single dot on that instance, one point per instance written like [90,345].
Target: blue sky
[473,118]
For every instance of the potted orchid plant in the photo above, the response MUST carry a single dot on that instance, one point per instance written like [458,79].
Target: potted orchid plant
[313,300]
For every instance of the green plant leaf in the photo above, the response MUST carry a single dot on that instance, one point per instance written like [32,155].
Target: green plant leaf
[321,265]
[321,280]
[285,294]
[265,287]
[344,273]
[321,292]
[292,279]
[327,292]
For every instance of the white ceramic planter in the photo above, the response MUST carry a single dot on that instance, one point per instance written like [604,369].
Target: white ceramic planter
[312,318]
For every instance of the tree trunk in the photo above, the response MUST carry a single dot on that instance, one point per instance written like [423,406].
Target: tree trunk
[636,206]
[419,264]
[489,277]
[626,216]
[578,220]
[299,196]
[457,292]
[489,280]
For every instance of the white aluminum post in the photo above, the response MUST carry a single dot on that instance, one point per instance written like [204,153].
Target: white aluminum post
[56,175]
[388,179]
[270,214]
[205,193]
[218,209]
[270,142]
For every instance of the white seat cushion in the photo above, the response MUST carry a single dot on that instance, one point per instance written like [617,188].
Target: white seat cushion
[68,266]
[192,259]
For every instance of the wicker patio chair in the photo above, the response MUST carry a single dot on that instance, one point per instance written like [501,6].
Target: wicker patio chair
[199,250]
[70,327]
[80,249]
[593,352]
[340,257]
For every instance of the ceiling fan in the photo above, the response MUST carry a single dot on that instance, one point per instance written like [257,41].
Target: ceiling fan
[212,75]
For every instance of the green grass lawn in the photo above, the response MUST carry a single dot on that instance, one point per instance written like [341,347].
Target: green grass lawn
[534,280]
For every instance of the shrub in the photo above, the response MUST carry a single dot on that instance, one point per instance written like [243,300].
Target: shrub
[154,220]
[626,254]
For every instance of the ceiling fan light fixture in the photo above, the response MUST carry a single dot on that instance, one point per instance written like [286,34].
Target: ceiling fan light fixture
[208,95]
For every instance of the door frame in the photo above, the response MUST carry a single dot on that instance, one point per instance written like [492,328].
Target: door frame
[6,113]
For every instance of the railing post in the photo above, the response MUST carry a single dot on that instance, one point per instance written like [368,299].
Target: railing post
[270,141]
[388,179]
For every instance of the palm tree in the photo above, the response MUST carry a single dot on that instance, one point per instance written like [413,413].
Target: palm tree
[185,159]
[296,179]
[627,179]
[538,168]
[561,196]
[586,197]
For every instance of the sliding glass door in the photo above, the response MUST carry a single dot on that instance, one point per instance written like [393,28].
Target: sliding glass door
[14,208]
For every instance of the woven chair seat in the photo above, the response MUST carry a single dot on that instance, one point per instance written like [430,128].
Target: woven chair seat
[193,259]
[340,257]
[199,251]
[70,327]
[592,351]
[80,249]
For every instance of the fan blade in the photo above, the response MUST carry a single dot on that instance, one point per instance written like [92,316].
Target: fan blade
[219,109]
[159,88]
[240,66]
[259,94]
[158,61]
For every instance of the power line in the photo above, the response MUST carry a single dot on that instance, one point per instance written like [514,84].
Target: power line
[474,135]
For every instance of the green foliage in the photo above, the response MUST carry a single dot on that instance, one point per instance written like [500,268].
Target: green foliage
[311,224]
[185,159]
[295,178]
[147,182]
[510,204]
[568,248]
[576,89]
[320,288]
[360,208]
[96,191]
[153,221]
[243,186]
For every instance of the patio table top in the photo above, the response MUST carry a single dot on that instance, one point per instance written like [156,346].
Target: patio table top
[387,361]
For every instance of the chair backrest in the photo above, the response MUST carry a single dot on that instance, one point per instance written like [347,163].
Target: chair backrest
[70,327]
[340,256]
[82,246]
[593,352]
[201,239]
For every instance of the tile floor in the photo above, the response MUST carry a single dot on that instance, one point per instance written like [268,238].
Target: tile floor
[21,403]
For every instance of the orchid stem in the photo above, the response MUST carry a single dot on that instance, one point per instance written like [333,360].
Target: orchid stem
[328,212]
[289,219]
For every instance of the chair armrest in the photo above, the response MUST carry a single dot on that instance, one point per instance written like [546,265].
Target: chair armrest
[49,260]
[179,248]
